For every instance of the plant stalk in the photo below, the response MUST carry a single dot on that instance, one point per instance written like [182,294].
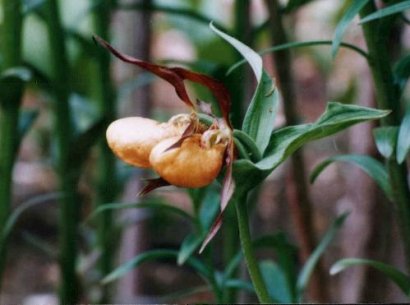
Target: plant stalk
[69,205]
[9,112]
[239,85]
[248,251]
[298,194]
[106,177]
[387,95]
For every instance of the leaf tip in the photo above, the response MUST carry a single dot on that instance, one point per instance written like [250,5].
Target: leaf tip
[335,269]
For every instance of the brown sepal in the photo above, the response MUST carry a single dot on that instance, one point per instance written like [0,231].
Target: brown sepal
[212,232]
[151,185]
[228,187]
[176,76]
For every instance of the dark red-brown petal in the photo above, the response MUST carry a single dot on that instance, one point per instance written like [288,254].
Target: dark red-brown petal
[176,76]
[165,73]
[228,187]
[151,185]
[217,88]
[212,232]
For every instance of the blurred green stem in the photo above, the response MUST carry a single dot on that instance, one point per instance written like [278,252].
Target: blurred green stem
[238,85]
[376,34]
[9,111]
[69,205]
[248,251]
[106,177]
[298,194]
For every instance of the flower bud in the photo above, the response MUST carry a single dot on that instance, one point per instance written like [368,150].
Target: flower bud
[191,165]
[133,138]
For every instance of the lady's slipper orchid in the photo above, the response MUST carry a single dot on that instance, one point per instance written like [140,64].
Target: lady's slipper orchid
[182,151]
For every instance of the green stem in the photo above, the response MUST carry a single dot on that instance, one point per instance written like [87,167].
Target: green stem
[239,91]
[248,252]
[106,178]
[376,34]
[69,209]
[9,111]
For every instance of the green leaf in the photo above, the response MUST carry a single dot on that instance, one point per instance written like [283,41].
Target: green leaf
[260,116]
[150,256]
[286,254]
[240,285]
[294,5]
[347,18]
[31,5]
[311,263]
[402,71]
[277,284]
[11,82]
[300,44]
[386,139]
[209,208]
[286,141]
[387,11]
[248,144]
[188,247]
[14,216]
[146,204]
[232,265]
[369,165]
[15,74]
[403,142]
[399,278]
[253,58]
[27,118]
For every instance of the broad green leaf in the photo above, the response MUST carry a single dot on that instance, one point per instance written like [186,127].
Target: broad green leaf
[308,268]
[386,139]
[27,118]
[286,254]
[399,278]
[276,282]
[188,246]
[387,11]
[260,116]
[347,18]
[286,141]
[150,256]
[369,165]
[253,58]
[402,71]
[209,207]
[248,144]
[403,141]
[295,4]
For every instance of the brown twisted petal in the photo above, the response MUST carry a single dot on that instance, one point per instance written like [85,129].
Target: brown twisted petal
[189,165]
[133,138]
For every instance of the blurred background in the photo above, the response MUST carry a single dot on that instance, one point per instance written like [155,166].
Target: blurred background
[176,32]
